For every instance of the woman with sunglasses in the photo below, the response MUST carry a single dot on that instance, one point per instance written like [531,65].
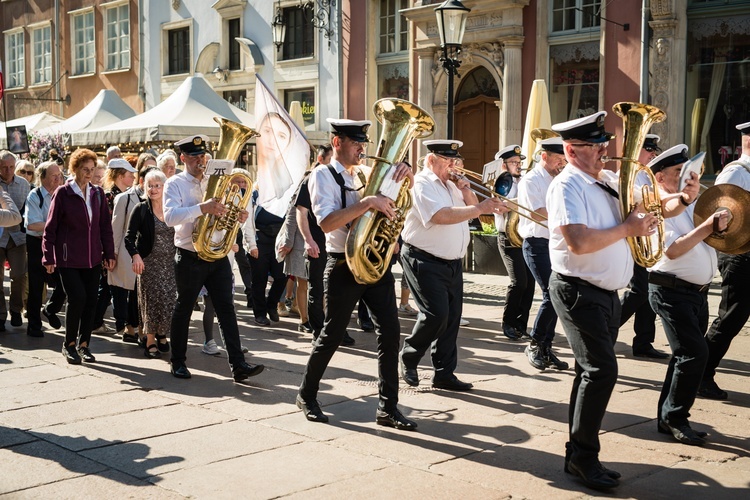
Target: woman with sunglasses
[25,169]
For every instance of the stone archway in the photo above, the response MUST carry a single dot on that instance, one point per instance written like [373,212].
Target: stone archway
[477,117]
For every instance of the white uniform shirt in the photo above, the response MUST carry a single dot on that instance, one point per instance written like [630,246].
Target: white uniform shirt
[325,198]
[182,195]
[574,198]
[447,241]
[698,265]
[736,174]
[502,219]
[532,193]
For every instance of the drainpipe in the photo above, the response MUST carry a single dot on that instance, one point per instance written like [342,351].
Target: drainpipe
[645,14]
[141,91]
[58,94]
[341,60]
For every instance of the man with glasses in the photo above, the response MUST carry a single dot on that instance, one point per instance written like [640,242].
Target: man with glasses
[183,204]
[520,293]
[590,260]
[436,235]
[532,193]
[13,243]
[336,195]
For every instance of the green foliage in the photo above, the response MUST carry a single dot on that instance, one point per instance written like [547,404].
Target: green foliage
[487,230]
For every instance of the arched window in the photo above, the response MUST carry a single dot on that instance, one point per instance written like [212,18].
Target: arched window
[479,82]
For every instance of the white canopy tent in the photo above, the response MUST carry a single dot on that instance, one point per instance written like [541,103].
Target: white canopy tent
[105,109]
[189,111]
[33,123]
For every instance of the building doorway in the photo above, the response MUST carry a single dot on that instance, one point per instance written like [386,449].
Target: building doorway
[477,118]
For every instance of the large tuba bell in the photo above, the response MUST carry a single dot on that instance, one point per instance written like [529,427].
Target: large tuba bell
[371,239]
[214,236]
[637,121]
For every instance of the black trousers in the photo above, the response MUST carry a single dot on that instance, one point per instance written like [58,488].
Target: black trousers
[243,264]
[734,309]
[590,317]
[520,293]
[124,307]
[684,315]
[635,301]
[343,292]
[315,268]
[264,265]
[192,274]
[437,286]
[81,286]
[103,300]
[38,280]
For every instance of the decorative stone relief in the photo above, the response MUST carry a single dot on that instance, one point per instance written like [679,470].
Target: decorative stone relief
[492,51]
[661,68]
[176,4]
[661,8]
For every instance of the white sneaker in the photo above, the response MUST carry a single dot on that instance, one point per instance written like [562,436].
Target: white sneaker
[407,309]
[101,329]
[210,348]
[464,322]
[282,310]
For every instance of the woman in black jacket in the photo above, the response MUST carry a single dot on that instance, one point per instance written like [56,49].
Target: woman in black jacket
[150,243]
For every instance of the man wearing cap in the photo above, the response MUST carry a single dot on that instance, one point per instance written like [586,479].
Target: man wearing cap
[336,199]
[678,292]
[532,193]
[590,262]
[734,307]
[520,292]
[436,235]
[183,204]
[635,300]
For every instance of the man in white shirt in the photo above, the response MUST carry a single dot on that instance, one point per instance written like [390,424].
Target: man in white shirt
[183,204]
[435,235]
[590,262]
[734,308]
[337,200]
[678,292]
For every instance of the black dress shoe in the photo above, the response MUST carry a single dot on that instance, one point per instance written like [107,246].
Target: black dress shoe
[180,371]
[52,319]
[366,326]
[410,375]
[311,410]
[395,419]
[16,319]
[129,339]
[273,315]
[611,473]
[535,355]
[71,354]
[245,370]
[663,428]
[305,327]
[347,340]
[593,476]
[451,384]
[550,359]
[34,333]
[86,355]
[683,433]
[710,390]
[262,321]
[511,332]
[649,352]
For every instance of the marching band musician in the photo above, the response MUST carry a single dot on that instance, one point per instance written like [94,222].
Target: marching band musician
[337,200]
[520,293]
[183,204]
[590,260]
[678,292]
[532,193]
[734,307]
[436,235]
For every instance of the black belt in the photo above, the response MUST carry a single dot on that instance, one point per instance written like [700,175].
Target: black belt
[337,255]
[418,251]
[672,281]
[581,281]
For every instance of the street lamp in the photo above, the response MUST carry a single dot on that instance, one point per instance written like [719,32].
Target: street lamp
[278,27]
[451,21]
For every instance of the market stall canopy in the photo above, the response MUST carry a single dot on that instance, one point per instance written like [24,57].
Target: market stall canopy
[33,123]
[190,110]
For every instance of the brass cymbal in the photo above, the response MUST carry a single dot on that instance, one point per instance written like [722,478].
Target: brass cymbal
[737,201]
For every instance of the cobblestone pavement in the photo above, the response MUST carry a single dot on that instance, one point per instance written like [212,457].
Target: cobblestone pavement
[125,428]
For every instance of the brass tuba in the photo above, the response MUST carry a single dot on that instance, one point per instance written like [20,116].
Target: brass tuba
[372,236]
[637,121]
[214,236]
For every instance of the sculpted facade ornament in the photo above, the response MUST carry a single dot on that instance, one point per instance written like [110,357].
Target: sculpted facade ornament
[661,69]
[661,8]
[175,4]
[491,51]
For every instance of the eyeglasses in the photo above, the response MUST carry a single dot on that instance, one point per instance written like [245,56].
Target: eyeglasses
[651,149]
[27,172]
[453,161]
[600,145]
[514,163]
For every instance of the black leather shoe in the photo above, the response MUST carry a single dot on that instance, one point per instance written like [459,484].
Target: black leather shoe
[52,319]
[710,390]
[71,354]
[683,433]
[16,319]
[34,333]
[162,346]
[129,339]
[273,315]
[611,473]
[86,355]
[451,384]
[650,352]
[663,428]
[550,359]
[305,327]
[511,332]
[312,410]
[366,326]
[347,340]
[180,371]
[262,321]
[410,375]
[395,419]
[593,476]
[245,370]
[535,355]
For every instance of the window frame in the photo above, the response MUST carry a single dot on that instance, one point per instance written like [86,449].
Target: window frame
[46,58]
[15,66]
[578,28]
[119,39]
[398,19]
[167,28]
[233,47]
[281,55]
[74,59]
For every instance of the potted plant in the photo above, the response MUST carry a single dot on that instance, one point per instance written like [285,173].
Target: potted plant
[483,255]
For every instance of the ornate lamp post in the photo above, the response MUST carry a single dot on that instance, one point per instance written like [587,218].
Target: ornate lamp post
[451,21]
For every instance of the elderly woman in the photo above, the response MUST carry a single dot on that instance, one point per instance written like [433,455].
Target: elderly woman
[167,163]
[77,241]
[97,178]
[150,243]
[25,169]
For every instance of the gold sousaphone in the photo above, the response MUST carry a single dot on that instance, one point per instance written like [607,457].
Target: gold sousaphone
[214,236]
